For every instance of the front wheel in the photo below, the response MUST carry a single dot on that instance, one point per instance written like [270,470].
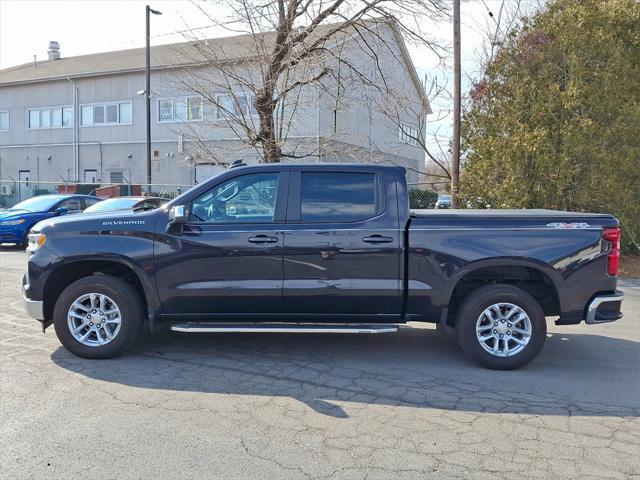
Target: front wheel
[98,316]
[501,327]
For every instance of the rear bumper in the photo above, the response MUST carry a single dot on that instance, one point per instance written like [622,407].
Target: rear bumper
[34,308]
[604,308]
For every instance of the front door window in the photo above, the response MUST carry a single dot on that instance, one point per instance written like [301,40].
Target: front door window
[244,199]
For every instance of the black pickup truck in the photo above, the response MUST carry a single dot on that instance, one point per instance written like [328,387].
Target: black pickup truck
[321,248]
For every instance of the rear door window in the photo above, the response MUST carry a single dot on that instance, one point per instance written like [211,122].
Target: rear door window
[338,196]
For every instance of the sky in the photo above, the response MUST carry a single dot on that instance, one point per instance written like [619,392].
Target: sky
[91,26]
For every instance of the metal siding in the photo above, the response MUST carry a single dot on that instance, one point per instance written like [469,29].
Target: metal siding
[106,148]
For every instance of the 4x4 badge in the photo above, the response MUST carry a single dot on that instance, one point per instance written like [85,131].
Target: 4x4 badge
[567,225]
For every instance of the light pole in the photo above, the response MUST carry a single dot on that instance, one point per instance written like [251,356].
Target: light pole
[147,92]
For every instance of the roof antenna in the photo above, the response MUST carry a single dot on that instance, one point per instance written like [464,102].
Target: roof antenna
[34,61]
[237,163]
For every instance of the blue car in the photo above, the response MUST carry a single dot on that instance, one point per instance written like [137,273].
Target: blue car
[16,222]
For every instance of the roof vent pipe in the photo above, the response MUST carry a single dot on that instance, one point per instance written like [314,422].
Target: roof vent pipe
[54,50]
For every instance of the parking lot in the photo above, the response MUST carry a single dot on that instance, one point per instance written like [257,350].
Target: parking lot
[406,405]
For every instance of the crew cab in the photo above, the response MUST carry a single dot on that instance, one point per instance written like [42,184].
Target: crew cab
[321,248]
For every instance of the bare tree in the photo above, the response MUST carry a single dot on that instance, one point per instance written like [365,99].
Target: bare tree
[290,54]
[434,143]
[498,24]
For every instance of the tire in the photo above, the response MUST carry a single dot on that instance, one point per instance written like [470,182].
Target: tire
[510,352]
[120,327]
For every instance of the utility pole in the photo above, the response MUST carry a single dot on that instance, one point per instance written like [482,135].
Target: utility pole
[147,91]
[455,160]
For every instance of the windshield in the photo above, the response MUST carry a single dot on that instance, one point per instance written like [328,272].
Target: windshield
[112,204]
[444,197]
[36,204]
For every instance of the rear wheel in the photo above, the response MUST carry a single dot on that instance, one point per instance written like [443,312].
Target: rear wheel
[98,316]
[501,327]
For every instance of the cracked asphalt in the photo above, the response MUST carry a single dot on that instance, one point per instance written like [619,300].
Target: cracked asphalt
[406,405]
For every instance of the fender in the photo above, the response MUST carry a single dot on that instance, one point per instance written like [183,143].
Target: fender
[538,265]
[142,272]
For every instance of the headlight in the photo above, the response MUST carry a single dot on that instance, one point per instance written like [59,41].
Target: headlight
[13,222]
[36,240]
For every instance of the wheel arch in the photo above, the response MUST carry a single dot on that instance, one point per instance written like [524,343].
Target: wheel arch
[542,282]
[70,271]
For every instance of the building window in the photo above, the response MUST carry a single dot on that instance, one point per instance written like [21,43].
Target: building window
[186,109]
[45,118]
[409,134]
[116,177]
[166,110]
[34,119]
[111,113]
[194,109]
[244,104]
[67,117]
[56,117]
[238,105]
[86,115]
[125,112]
[98,114]
[4,120]
[224,106]
[53,117]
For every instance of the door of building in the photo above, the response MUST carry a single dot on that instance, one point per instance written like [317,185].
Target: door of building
[90,176]
[24,186]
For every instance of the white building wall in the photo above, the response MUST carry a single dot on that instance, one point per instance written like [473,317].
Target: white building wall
[356,131]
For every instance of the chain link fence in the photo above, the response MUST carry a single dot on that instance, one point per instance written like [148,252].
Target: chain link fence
[422,195]
[16,191]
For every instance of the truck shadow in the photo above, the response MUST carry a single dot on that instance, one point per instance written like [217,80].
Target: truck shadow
[589,375]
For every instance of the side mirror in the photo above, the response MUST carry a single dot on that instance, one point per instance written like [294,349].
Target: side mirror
[177,218]
[178,214]
[61,211]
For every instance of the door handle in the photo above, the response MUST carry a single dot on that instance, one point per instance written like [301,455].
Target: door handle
[263,239]
[377,239]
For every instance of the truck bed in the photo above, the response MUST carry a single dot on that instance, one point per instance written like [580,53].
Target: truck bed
[509,219]
[495,212]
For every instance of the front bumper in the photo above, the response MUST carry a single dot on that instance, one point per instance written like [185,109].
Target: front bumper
[604,308]
[11,237]
[34,308]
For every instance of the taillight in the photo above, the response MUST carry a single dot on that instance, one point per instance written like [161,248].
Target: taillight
[613,235]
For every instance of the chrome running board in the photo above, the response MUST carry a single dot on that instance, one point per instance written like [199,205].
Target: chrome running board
[201,327]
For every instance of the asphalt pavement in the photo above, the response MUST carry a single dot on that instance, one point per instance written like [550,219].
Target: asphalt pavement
[249,406]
